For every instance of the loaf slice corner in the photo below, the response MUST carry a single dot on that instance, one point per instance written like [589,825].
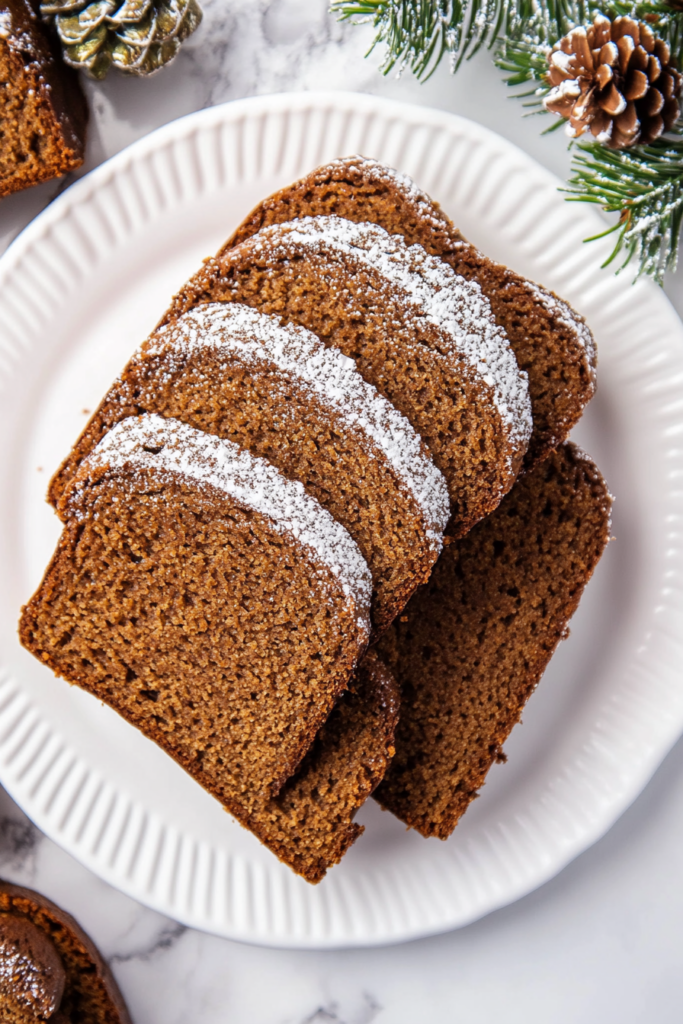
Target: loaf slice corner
[310,824]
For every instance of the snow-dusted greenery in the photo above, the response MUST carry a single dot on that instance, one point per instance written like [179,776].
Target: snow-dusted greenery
[418,33]
[643,185]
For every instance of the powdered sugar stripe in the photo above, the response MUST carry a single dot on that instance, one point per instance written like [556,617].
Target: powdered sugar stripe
[377,172]
[457,306]
[570,321]
[225,466]
[330,375]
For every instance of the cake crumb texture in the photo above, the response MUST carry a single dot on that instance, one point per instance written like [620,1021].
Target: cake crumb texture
[474,642]
[552,343]
[276,391]
[309,825]
[207,599]
[43,112]
[413,329]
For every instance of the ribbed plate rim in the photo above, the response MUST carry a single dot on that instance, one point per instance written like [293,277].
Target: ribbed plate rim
[657,734]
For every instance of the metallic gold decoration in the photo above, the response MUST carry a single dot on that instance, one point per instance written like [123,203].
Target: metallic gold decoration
[136,36]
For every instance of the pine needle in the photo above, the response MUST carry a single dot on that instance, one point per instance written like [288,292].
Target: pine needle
[644,185]
[419,33]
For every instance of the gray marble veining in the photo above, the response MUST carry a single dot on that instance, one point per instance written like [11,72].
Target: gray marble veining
[19,841]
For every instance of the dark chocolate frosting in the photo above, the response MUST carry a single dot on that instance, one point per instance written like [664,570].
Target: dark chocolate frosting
[31,972]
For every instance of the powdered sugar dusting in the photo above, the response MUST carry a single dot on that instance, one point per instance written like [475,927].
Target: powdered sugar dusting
[378,173]
[430,213]
[251,481]
[432,289]
[571,322]
[17,37]
[331,376]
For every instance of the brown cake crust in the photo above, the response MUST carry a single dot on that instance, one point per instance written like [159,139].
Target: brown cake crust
[412,362]
[475,641]
[253,402]
[222,638]
[91,995]
[553,344]
[309,825]
[42,108]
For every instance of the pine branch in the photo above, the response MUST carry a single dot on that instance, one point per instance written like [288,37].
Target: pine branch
[419,33]
[644,185]
[524,60]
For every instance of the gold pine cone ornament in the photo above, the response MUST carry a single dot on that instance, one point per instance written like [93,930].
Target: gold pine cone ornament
[136,36]
[614,79]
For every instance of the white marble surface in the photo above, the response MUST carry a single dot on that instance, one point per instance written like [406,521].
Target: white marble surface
[600,943]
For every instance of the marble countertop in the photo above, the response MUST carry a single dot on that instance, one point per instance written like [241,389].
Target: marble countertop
[602,941]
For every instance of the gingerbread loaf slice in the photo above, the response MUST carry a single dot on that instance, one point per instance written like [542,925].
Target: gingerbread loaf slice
[476,639]
[49,969]
[43,111]
[552,343]
[210,601]
[277,391]
[310,825]
[423,337]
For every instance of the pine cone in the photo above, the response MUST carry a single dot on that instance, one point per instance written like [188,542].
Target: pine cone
[616,80]
[136,36]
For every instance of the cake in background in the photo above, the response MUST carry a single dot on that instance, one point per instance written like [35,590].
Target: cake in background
[43,111]
[49,969]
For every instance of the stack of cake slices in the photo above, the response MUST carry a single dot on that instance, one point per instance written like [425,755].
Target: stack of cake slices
[348,431]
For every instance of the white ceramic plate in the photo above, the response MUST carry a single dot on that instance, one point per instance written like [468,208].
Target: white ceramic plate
[81,288]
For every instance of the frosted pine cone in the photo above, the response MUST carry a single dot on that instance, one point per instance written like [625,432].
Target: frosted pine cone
[614,79]
[136,36]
